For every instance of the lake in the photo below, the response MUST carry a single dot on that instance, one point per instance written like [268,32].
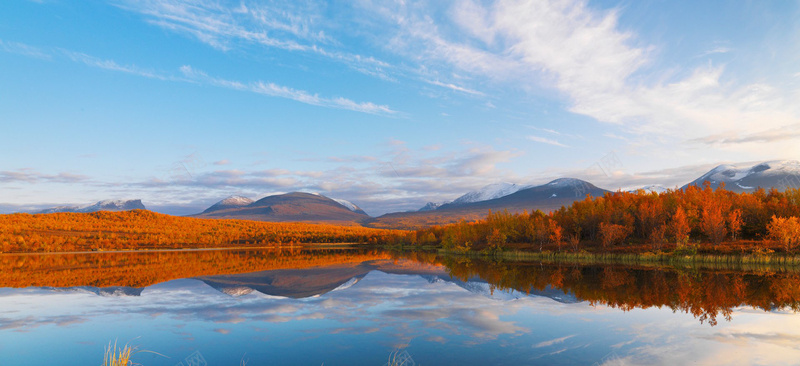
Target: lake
[366,307]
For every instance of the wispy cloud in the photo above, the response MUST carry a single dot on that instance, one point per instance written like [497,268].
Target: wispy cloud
[456,88]
[716,50]
[32,176]
[552,342]
[289,26]
[113,65]
[791,132]
[24,49]
[545,141]
[189,74]
[272,89]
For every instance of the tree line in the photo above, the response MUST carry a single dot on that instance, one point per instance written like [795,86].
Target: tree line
[687,219]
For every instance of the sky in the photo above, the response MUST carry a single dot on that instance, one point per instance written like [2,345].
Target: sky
[388,104]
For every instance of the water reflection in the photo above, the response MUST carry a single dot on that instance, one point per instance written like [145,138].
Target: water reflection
[356,307]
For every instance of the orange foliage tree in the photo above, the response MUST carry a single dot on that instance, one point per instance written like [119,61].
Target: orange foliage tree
[786,230]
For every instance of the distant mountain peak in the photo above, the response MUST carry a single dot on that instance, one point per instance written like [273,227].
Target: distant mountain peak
[105,205]
[349,205]
[489,192]
[430,206]
[567,182]
[653,188]
[746,177]
[230,202]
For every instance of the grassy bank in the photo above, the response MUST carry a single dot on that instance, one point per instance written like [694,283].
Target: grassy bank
[716,261]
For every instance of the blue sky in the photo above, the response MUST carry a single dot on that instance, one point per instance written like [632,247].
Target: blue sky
[387,104]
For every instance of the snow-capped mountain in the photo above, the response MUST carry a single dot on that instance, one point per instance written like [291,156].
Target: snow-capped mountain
[489,192]
[779,174]
[106,205]
[350,205]
[654,188]
[230,202]
[295,206]
[430,206]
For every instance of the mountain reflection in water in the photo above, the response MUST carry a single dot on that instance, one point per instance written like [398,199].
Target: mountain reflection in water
[342,306]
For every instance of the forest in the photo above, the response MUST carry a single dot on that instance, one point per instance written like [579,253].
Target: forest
[140,229]
[685,221]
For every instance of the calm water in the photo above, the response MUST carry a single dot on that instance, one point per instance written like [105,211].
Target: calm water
[357,308]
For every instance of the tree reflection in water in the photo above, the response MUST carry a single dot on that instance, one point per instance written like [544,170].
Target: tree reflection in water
[707,294]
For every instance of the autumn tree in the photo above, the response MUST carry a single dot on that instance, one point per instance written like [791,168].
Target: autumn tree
[613,234]
[651,221]
[713,222]
[680,226]
[735,223]
[555,233]
[785,230]
[496,239]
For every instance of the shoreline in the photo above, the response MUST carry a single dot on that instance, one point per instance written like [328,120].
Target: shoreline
[157,250]
[718,261]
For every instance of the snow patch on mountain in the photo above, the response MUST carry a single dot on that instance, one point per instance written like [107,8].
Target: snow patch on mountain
[490,192]
[235,201]
[105,205]
[230,202]
[347,284]
[731,173]
[747,176]
[566,182]
[430,206]
[350,205]
[654,188]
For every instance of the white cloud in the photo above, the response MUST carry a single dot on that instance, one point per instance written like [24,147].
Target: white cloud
[545,141]
[24,49]
[604,72]
[552,342]
[112,65]
[272,89]
[456,88]
[716,50]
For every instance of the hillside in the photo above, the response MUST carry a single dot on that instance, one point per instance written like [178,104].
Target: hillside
[289,207]
[546,197]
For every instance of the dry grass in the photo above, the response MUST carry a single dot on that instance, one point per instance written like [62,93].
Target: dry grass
[118,356]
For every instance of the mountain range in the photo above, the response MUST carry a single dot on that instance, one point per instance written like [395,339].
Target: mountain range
[107,205]
[312,207]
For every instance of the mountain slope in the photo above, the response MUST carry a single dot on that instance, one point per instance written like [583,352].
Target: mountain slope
[228,203]
[779,174]
[491,191]
[546,197]
[106,205]
[349,205]
[296,206]
[653,188]
[488,192]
